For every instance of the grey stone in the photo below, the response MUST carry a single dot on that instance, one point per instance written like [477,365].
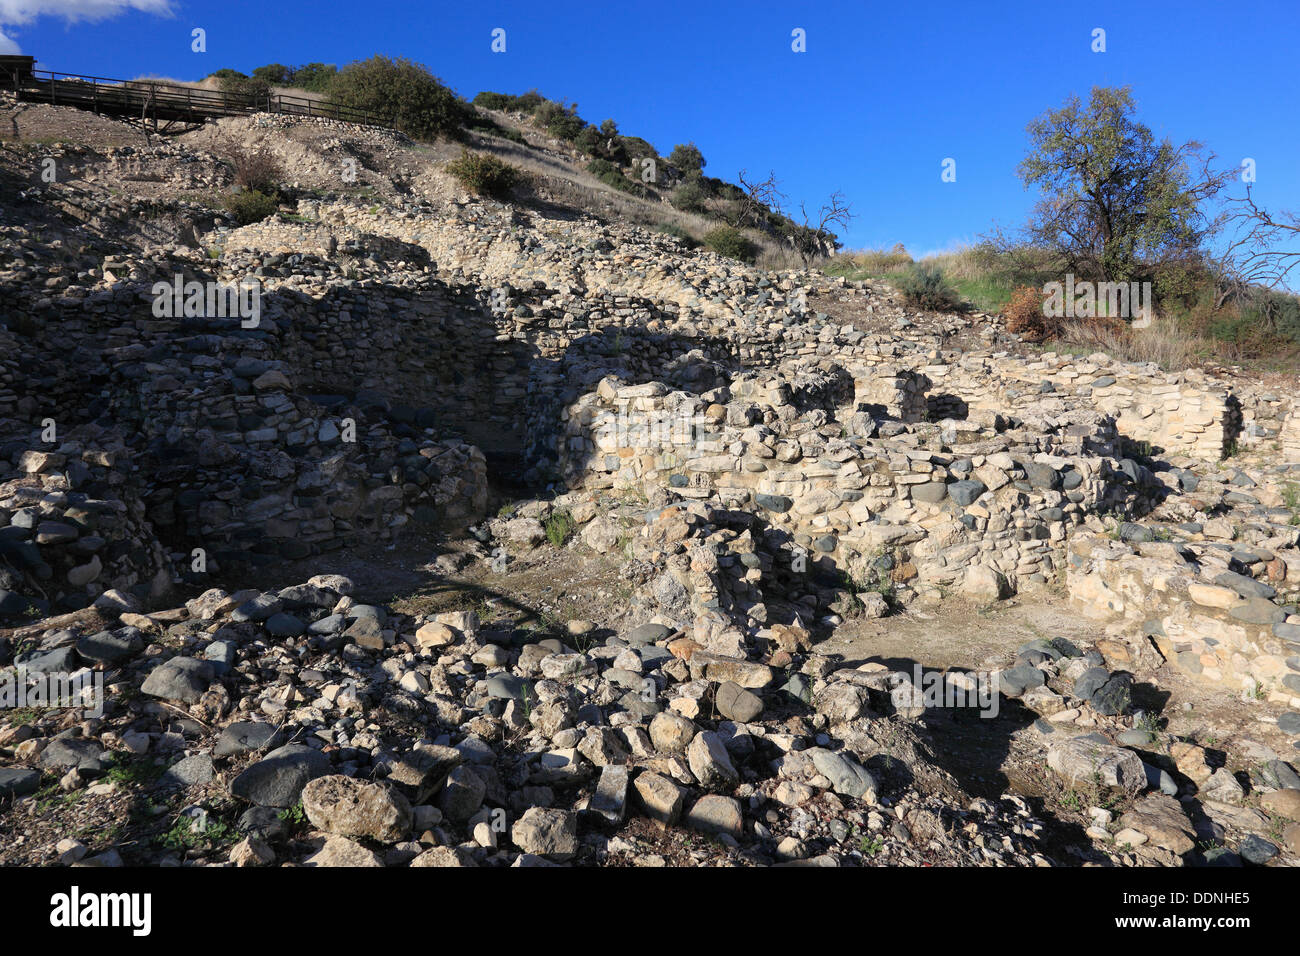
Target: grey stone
[462,794]
[59,660]
[258,608]
[1244,585]
[736,703]
[508,687]
[82,753]
[931,492]
[284,625]
[610,798]
[245,736]
[1014,681]
[189,772]
[710,762]
[18,781]
[1277,775]
[181,678]
[647,634]
[278,778]
[1113,697]
[548,833]
[1257,610]
[1160,780]
[1255,849]
[848,778]
[109,647]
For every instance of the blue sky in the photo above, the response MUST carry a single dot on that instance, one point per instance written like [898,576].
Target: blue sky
[884,93]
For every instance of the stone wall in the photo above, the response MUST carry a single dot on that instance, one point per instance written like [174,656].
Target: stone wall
[1211,616]
[943,498]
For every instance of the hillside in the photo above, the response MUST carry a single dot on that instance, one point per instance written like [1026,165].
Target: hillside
[518,531]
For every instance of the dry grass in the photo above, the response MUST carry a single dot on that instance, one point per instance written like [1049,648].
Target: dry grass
[874,261]
[1165,342]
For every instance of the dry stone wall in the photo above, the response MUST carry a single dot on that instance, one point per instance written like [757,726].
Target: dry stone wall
[1207,620]
[957,505]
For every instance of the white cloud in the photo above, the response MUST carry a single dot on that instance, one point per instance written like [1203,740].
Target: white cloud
[8,47]
[25,11]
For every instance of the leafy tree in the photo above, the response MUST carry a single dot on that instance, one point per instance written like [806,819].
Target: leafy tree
[688,158]
[404,92]
[275,74]
[315,77]
[1116,203]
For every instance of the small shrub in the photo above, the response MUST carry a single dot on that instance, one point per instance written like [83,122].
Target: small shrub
[611,175]
[924,287]
[559,528]
[483,174]
[689,197]
[249,206]
[1024,315]
[255,167]
[732,243]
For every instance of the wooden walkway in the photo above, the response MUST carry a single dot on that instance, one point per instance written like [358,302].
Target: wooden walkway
[165,107]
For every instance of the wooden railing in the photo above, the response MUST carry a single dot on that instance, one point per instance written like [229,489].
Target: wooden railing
[156,100]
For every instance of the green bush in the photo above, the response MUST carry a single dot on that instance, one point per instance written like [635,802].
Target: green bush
[732,243]
[611,175]
[559,528]
[637,148]
[589,140]
[253,87]
[559,120]
[276,74]
[924,287]
[687,157]
[250,205]
[314,77]
[405,93]
[689,197]
[491,101]
[527,103]
[483,174]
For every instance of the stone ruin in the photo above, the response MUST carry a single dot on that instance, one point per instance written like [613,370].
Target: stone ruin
[765,469]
